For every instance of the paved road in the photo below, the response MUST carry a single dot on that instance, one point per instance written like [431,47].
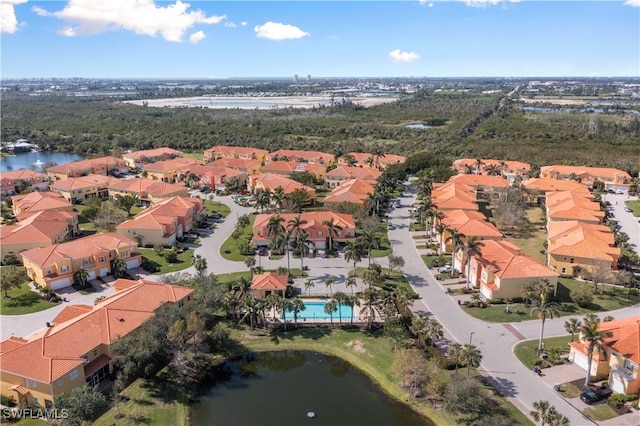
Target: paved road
[628,222]
[495,340]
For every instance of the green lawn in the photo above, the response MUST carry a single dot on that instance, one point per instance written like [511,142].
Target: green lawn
[154,401]
[184,260]
[525,351]
[600,412]
[229,249]
[233,277]
[428,259]
[396,279]
[135,210]
[531,236]
[634,205]
[198,155]
[614,298]
[23,301]
[217,207]
[385,246]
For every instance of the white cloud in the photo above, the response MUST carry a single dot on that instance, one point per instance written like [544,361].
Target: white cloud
[277,31]
[333,37]
[67,32]
[230,24]
[399,56]
[244,23]
[142,17]
[632,3]
[424,2]
[196,37]
[8,19]
[482,3]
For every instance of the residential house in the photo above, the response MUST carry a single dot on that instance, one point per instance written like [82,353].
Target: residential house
[147,191]
[267,283]
[575,246]
[291,168]
[472,224]
[240,152]
[271,181]
[77,348]
[138,158]
[353,191]
[40,229]
[613,179]
[506,168]
[250,167]
[172,171]
[484,186]
[215,177]
[342,173]
[501,270]
[96,166]
[535,189]
[39,201]
[453,196]
[316,157]
[569,205]
[619,357]
[315,227]
[371,161]
[77,190]
[54,266]
[163,223]
[15,182]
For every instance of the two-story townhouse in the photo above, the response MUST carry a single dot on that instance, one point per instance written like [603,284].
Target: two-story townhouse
[215,177]
[271,181]
[371,161]
[76,349]
[613,179]
[342,173]
[353,191]
[147,191]
[318,233]
[137,159]
[172,171]
[619,356]
[568,205]
[506,168]
[40,229]
[536,189]
[39,201]
[291,168]
[484,186]
[17,181]
[501,270]
[55,265]
[96,166]
[453,196]
[250,167]
[240,152]
[472,224]
[301,156]
[78,189]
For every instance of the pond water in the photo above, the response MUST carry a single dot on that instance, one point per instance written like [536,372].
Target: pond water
[24,160]
[280,388]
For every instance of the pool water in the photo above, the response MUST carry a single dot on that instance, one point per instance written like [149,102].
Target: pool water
[315,310]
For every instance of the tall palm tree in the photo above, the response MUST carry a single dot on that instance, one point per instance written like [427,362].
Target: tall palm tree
[330,308]
[118,266]
[296,224]
[263,199]
[351,282]
[403,299]
[302,242]
[572,325]
[419,325]
[478,166]
[275,226]
[493,170]
[332,230]
[352,301]
[378,152]
[431,216]
[340,299]
[456,239]
[434,331]
[297,306]
[455,352]
[308,284]
[594,338]
[528,293]
[471,357]
[540,411]
[471,248]
[329,283]
[353,253]
[278,197]
[370,305]
[273,302]
[440,228]
[545,310]
[369,239]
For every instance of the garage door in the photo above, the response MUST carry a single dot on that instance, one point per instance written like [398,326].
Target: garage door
[580,360]
[132,263]
[617,385]
[62,283]
[91,275]
[104,272]
[486,291]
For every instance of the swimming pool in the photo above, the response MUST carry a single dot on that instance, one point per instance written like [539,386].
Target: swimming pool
[315,311]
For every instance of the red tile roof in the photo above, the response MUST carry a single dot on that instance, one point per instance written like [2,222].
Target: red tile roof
[82,182]
[269,281]
[507,261]
[354,191]
[38,201]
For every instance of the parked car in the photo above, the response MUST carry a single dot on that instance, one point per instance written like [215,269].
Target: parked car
[628,210]
[620,192]
[607,203]
[593,395]
[391,226]
[445,269]
[262,251]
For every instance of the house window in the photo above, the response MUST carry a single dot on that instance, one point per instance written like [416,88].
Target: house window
[320,234]
[571,260]
[74,375]
[85,261]
[64,268]
[628,365]
[564,258]
[124,254]
[564,270]
[33,383]
[36,402]
[60,382]
[26,383]
[95,352]
[102,259]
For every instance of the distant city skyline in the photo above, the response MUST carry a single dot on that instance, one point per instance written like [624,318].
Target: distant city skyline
[280,39]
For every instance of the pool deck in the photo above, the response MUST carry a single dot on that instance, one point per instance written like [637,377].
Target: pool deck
[302,320]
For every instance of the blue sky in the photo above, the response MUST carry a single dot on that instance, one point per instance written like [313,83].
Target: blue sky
[217,39]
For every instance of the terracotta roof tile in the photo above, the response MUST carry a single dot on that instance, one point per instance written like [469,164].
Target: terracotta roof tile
[507,261]
[269,281]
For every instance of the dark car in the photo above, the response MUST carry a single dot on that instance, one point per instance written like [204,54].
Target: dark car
[262,251]
[593,395]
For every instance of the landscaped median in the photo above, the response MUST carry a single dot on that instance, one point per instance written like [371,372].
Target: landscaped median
[235,246]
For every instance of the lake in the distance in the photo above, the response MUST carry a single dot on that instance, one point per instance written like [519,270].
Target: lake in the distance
[279,388]
[24,160]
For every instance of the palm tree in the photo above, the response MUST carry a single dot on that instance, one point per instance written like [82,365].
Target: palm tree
[308,284]
[528,293]
[475,298]
[332,229]
[251,307]
[330,308]
[353,253]
[479,163]
[372,275]
[297,306]
[370,305]
[431,218]
[378,152]
[594,338]
[80,277]
[419,326]
[352,301]
[540,412]
[434,331]
[350,160]
[351,282]
[403,299]
[340,299]
[440,228]
[455,352]
[572,325]
[471,249]
[369,240]
[544,310]
[286,305]
[263,199]
[278,197]
[273,301]
[471,357]
[275,226]
[118,266]
[302,242]
[456,239]
[329,283]
[493,170]
[250,262]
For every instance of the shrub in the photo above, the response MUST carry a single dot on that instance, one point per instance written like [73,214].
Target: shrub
[495,301]
[7,401]
[582,297]
[149,266]
[171,256]
[436,355]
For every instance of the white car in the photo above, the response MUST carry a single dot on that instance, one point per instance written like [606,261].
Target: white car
[445,269]
[620,192]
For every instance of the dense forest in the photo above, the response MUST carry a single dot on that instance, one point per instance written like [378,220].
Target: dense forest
[465,125]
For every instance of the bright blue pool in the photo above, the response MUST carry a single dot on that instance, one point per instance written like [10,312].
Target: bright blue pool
[315,311]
